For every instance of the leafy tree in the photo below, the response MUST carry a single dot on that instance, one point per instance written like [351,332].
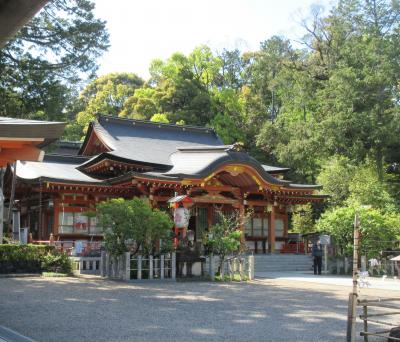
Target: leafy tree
[224,238]
[205,66]
[232,70]
[159,117]
[366,188]
[336,176]
[42,66]
[303,222]
[143,104]
[378,229]
[132,223]
[107,95]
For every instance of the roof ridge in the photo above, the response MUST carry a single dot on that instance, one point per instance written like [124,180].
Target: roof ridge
[152,123]
[65,157]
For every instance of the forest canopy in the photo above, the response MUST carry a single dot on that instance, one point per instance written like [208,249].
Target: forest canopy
[328,108]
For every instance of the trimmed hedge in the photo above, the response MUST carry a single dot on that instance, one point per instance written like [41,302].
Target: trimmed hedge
[32,259]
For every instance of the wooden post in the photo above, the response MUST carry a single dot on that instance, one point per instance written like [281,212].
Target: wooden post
[241,221]
[173,266]
[12,195]
[251,267]
[241,268]
[139,267]
[128,266]
[271,231]
[365,314]
[108,266]
[151,267]
[352,308]
[162,266]
[338,265]
[212,267]
[363,263]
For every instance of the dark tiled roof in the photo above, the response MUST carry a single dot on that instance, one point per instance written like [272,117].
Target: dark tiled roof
[275,169]
[54,168]
[199,162]
[65,147]
[31,129]
[148,142]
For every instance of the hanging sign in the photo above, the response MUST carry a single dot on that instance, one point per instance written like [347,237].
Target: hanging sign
[181,217]
[325,239]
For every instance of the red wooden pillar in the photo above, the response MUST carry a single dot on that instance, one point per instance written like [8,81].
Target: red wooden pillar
[271,231]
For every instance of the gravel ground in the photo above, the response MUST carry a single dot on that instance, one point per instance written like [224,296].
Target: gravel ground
[76,309]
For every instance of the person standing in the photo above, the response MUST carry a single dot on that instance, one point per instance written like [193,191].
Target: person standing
[317,255]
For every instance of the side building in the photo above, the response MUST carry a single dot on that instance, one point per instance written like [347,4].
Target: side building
[128,158]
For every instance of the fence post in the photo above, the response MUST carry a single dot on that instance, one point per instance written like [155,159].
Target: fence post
[346,265]
[392,268]
[230,261]
[162,266]
[212,267]
[338,265]
[139,267]
[365,314]
[251,267]
[173,266]
[151,269]
[128,266]
[363,263]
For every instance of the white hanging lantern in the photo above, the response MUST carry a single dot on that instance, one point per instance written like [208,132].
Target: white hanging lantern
[181,217]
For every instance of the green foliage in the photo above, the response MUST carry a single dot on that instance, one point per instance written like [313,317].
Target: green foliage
[224,238]
[54,275]
[32,258]
[41,68]
[106,95]
[303,222]
[159,117]
[366,188]
[56,262]
[336,176]
[132,224]
[226,277]
[378,228]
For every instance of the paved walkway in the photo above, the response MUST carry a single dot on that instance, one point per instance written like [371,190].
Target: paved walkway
[72,309]
[370,282]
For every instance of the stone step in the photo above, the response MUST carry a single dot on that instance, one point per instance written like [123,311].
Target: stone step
[278,269]
[282,262]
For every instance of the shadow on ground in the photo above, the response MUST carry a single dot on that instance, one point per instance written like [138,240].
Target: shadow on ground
[94,310]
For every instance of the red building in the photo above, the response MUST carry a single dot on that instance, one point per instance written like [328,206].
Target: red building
[126,158]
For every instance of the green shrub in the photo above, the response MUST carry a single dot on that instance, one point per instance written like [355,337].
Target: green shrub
[54,275]
[32,259]
[56,262]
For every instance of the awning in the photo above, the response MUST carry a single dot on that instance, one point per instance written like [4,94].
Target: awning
[181,198]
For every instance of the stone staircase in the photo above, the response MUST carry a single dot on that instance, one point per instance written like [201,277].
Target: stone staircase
[282,263]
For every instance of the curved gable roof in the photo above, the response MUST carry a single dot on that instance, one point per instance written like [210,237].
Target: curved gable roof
[200,162]
[145,141]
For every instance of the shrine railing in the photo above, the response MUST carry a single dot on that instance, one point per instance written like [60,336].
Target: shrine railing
[138,267]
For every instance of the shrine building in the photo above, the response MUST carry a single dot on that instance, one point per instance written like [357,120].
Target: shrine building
[127,158]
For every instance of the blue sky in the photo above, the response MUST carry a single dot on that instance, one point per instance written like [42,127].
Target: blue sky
[141,31]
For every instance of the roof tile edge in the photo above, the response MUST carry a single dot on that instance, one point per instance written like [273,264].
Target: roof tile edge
[108,118]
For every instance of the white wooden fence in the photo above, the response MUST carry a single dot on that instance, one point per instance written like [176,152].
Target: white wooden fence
[86,265]
[138,267]
[235,267]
